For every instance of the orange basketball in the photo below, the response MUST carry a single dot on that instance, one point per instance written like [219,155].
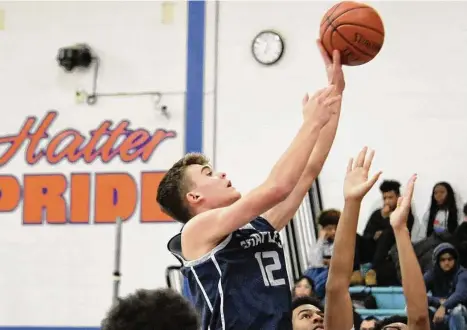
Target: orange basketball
[353,28]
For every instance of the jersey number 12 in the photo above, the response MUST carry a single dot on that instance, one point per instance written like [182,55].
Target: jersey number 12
[266,272]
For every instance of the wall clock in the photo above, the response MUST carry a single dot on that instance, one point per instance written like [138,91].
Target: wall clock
[267,47]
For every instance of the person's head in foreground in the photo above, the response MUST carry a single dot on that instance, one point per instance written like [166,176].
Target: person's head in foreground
[162,309]
[307,314]
[396,322]
[191,187]
[369,323]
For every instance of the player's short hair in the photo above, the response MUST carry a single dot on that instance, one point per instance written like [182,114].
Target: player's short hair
[329,217]
[389,320]
[390,185]
[162,309]
[306,300]
[174,186]
[465,209]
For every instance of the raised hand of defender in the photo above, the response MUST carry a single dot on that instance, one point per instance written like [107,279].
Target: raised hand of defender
[319,108]
[333,67]
[356,183]
[399,216]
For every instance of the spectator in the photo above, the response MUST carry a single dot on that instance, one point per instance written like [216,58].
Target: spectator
[304,287]
[442,215]
[322,251]
[368,323]
[461,239]
[162,309]
[447,282]
[378,237]
[307,314]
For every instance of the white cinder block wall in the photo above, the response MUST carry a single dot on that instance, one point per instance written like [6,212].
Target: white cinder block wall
[409,103]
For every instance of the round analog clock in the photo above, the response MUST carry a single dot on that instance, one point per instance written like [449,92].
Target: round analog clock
[268,47]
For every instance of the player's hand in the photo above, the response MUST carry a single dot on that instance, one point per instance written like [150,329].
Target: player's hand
[400,215]
[333,67]
[356,183]
[319,108]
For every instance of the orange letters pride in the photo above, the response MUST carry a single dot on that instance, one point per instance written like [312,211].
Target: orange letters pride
[115,194]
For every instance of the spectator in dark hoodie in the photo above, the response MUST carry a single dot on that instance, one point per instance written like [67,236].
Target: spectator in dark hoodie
[447,282]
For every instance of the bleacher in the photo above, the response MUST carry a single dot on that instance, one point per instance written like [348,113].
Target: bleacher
[390,301]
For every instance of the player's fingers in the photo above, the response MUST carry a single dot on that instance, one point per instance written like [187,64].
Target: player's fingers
[336,58]
[369,160]
[361,157]
[320,92]
[410,188]
[305,99]
[331,100]
[349,165]
[324,54]
[324,94]
[370,183]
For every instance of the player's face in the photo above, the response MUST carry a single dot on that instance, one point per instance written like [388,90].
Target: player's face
[307,317]
[446,262]
[396,326]
[208,188]
[390,199]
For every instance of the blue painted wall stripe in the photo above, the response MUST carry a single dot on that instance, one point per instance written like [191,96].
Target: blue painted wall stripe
[194,103]
[195,76]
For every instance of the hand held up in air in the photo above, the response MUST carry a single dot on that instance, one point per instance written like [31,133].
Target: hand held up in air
[399,216]
[333,67]
[357,184]
[319,108]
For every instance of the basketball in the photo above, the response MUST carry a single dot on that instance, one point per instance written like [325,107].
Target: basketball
[353,28]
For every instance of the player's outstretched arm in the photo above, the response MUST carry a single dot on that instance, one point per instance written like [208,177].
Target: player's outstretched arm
[328,133]
[412,277]
[280,215]
[338,308]
[218,223]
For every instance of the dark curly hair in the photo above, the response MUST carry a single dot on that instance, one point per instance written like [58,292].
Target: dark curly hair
[162,309]
[297,302]
[389,320]
[390,185]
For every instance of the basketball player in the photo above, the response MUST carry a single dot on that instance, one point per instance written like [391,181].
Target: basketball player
[162,309]
[230,246]
[338,308]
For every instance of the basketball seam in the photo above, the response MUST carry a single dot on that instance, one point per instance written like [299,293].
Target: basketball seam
[329,16]
[346,11]
[351,44]
[361,25]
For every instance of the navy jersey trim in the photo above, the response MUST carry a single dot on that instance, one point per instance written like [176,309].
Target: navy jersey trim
[174,246]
